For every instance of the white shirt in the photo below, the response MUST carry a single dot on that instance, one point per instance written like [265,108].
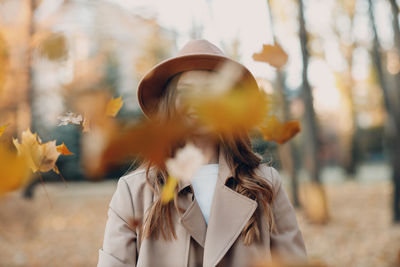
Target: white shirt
[203,183]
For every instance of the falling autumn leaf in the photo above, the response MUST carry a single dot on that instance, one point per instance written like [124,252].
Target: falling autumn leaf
[233,110]
[49,155]
[273,130]
[186,162]
[182,166]
[98,127]
[273,55]
[63,149]
[69,118]
[72,118]
[93,106]
[168,190]
[149,139]
[14,170]
[113,106]
[40,157]
[93,146]
[3,128]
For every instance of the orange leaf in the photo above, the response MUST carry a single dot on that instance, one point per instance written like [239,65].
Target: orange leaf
[273,130]
[149,139]
[273,55]
[113,106]
[63,149]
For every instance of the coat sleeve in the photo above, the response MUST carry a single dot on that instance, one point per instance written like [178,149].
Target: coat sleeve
[288,242]
[119,245]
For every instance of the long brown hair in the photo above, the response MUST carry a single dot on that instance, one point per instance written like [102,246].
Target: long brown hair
[242,162]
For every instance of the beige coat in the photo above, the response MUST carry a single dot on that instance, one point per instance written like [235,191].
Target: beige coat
[198,244]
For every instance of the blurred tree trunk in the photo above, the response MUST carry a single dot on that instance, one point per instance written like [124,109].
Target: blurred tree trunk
[393,111]
[396,120]
[31,93]
[396,99]
[287,151]
[396,36]
[311,136]
[395,23]
[28,191]
[315,201]
[349,130]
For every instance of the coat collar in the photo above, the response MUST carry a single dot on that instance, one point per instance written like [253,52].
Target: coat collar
[224,172]
[230,211]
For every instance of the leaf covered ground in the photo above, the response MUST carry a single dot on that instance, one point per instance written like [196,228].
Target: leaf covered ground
[67,230]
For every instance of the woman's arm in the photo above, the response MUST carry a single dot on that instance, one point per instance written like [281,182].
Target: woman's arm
[288,242]
[119,245]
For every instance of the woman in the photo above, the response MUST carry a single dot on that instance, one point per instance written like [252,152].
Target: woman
[234,211]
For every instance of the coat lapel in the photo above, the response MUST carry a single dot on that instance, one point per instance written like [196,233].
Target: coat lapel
[195,223]
[230,211]
[192,218]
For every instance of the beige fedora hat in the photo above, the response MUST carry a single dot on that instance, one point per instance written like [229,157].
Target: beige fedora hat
[197,54]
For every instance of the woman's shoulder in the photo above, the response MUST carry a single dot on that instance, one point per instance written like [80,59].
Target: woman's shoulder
[132,196]
[270,173]
[135,177]
[137,183]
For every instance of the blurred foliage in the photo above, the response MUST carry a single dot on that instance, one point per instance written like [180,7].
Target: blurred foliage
[54,47]
[3,61]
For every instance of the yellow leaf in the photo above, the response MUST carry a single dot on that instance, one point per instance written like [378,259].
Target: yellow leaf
[273,130]
[168,191]
[40,157]
[113,106]
[29,148]
[273,55]
[3,128]
[14,170]
[236,109]
[63,149]
[49,155]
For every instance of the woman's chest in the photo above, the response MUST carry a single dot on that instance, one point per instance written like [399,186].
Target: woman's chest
[219,243]
[191,254]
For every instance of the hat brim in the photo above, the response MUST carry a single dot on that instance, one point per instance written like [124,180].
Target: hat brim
[152,85]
